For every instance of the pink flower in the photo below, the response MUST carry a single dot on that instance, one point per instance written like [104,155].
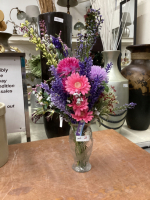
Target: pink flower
[67,66]
[85,116]
[76,83]
[78,105]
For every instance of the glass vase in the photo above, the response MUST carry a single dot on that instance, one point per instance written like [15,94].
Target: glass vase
[81,150]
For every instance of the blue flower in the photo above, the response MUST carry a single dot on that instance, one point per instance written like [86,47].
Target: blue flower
[85,67]
[57,43]
[95,92]
[108,67]
[45,86]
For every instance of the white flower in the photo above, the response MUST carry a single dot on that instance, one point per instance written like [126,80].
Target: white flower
[48,99]
[79,100]
[77,94]
[40,98]
[97,113]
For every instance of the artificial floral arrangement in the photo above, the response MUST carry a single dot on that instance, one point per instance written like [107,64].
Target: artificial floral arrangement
[77,90]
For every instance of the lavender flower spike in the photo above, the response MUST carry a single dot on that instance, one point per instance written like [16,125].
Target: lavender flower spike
[45,86]
[108,67]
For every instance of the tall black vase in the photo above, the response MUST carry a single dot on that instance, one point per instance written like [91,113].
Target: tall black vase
[64,24]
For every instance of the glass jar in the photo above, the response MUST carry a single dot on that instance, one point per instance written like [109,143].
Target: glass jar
[81,148]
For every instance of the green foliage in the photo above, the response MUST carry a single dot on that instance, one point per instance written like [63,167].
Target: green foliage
[35,66]
[97,58]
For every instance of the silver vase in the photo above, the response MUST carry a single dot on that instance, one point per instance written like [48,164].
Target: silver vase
[122,92]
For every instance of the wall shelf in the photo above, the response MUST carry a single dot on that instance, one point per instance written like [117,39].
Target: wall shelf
[19,39]
[127,41]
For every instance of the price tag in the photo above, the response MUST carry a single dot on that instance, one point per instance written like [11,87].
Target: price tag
[61,121]
[57,19]
[125,85]
[84,138]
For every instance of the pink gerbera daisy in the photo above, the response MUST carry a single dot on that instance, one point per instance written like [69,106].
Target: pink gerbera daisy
[79,104]
[76,83]
[67,66]
[85,116]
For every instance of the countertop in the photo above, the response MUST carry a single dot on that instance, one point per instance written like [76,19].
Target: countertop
[42,170]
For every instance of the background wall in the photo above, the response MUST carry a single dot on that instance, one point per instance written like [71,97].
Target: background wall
[7,5]
[143,22]
[77,12]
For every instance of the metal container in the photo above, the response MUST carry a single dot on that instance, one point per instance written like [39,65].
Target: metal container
[3,136]
[122,92]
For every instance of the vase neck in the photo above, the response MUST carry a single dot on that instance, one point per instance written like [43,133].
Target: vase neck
[111,56]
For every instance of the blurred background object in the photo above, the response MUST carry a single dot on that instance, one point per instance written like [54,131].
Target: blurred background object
[79,26]
[32,12]
[67,3]
[3,25]
[47,6]
[20,16]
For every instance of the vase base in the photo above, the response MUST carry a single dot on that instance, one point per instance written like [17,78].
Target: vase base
[80,169]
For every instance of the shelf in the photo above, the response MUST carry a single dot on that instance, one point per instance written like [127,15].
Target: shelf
[19,39]
[127,41]
[74,39]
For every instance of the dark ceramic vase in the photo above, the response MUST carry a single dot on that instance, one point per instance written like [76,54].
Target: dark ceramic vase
[4,41]
[138,74]
[53,28]
[53,129]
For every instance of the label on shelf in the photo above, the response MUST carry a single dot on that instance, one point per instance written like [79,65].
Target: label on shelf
[125,85]
[57,19]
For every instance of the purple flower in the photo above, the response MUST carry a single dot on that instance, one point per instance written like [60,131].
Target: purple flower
[58,94]
[57,43]
[43,29]
[45,86]
[97,71]
[131,105]
[108,67]
[95,91]
[85,67]
[65,52]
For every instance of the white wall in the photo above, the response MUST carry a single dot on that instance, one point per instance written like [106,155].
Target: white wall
[7,5]
[77,12]
[143,22]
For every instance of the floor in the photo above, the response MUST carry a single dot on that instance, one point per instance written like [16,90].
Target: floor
[141,138]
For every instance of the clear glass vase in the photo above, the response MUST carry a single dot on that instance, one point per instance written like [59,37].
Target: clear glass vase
[81,150]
